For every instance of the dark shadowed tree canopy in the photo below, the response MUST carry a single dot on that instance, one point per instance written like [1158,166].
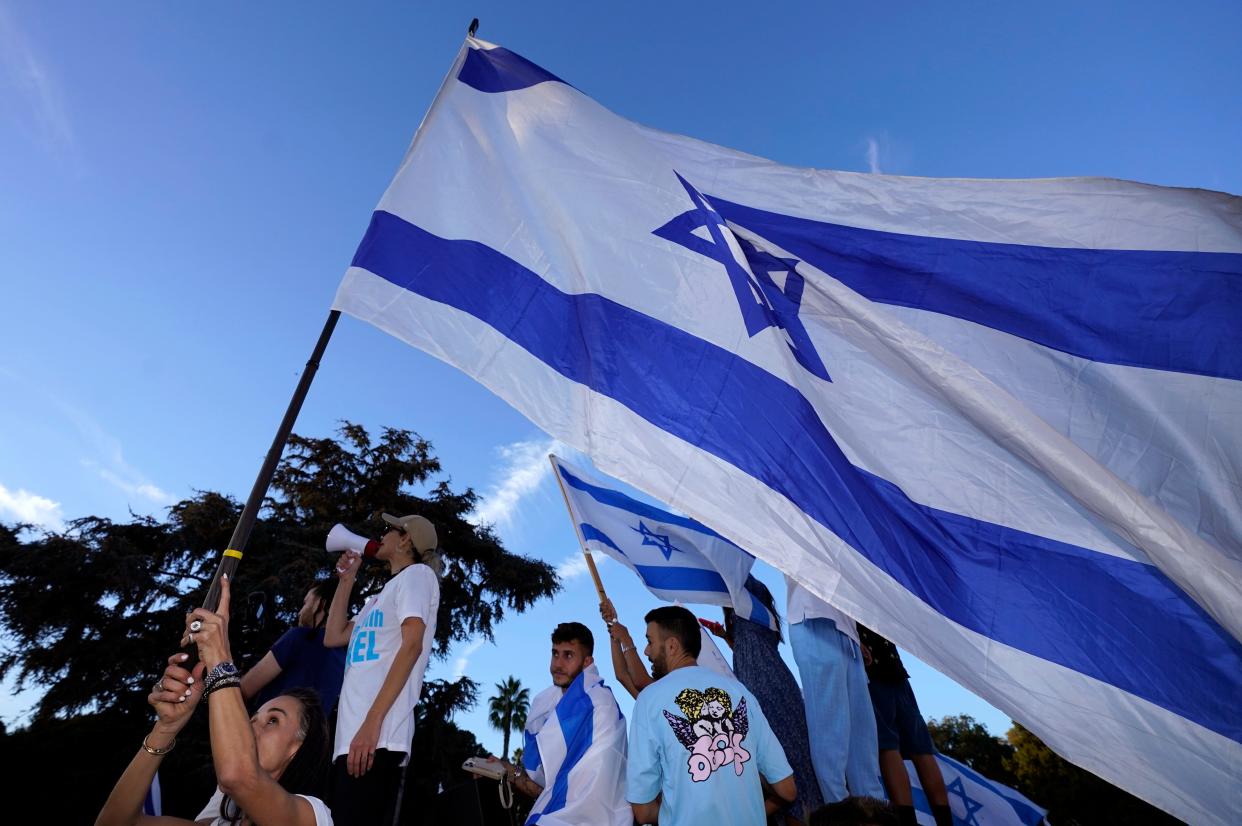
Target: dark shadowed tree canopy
[90,615]
[1074,796]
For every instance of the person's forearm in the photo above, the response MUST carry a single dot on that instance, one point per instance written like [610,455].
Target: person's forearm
[402,664]
[637,671]
[526,786]
[336,628]
[233,749]
[264,671]
[124,805]
[647,812]
[621,669]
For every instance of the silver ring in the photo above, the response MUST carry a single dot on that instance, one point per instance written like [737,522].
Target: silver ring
[191,637]
[159,686]
[196,626]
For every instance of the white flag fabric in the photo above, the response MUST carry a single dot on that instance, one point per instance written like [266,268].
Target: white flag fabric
[678,559]
[997,421]
[974,799]
[574,746]
[710,656]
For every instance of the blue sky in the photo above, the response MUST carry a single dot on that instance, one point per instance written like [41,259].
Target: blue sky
[181,188]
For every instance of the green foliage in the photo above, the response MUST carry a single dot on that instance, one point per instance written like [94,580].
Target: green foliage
[963,739]
[507,710]
[90,615]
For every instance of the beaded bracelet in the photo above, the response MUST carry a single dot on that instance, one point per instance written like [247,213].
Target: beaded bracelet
[223,682]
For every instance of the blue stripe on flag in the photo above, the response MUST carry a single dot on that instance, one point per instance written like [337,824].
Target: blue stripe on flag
[530,752]
[617,499]
[500,70]
[590,532]
[664,577]
[678,578]
[758,612]
[575,714]
[709,397]
[1162,310]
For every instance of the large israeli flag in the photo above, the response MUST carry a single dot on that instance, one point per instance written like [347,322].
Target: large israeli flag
[998,421]
[678,559]
[974,799]
[574,746]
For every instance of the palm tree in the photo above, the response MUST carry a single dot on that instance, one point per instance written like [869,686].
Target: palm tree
[507,710]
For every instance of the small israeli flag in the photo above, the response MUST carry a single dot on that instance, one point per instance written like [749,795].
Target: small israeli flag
[974,799]
[677,558]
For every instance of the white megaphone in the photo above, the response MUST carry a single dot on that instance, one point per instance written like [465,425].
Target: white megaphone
[341,538]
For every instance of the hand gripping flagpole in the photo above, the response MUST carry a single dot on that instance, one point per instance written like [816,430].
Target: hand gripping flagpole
[232,555]
[590,560]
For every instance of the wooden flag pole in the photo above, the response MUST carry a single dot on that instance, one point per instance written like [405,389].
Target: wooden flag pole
[590,560]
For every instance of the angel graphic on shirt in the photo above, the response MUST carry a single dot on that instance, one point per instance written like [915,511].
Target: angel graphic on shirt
[712,731]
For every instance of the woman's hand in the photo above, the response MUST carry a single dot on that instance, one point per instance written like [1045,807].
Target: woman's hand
[176,694]
[210,632]
[347,567]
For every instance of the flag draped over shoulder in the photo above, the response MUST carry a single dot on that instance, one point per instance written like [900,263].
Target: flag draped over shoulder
[997,421]
[574,746]
[974,799]
[678,559]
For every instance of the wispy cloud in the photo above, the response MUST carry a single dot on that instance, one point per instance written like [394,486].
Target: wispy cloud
[133,484]
[873,156]
[109,460]
[23,506]
[525,467]
[25,71]
[463,658]
[575,565]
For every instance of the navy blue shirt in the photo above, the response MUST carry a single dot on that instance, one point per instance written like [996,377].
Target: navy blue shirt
[305,663]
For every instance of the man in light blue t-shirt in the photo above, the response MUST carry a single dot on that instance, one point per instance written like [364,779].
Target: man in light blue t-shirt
[699,743]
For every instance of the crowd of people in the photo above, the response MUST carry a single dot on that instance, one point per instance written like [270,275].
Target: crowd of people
[703,745]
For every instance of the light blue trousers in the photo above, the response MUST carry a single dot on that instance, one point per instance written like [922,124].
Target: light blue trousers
[839,719]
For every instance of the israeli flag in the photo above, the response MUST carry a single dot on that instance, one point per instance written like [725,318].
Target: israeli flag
[998,421]
[974,799]
[574,746]
[678,559]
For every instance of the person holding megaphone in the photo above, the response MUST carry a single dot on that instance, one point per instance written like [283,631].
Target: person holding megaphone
[387,646]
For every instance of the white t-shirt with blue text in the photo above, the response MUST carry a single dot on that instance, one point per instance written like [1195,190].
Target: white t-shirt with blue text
[700,739]
[413,592]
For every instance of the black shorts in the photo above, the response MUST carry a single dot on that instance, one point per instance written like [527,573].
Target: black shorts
[898,721]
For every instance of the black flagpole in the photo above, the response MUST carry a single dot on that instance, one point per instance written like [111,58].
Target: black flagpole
[232,555]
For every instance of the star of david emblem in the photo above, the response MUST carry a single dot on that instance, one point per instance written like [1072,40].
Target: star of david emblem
[660,541]
[768,289]
[958,789]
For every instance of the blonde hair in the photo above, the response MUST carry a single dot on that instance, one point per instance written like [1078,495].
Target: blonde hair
[690,701]
[721,696]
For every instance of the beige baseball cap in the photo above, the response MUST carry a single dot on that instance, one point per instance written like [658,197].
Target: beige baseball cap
[419,528]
